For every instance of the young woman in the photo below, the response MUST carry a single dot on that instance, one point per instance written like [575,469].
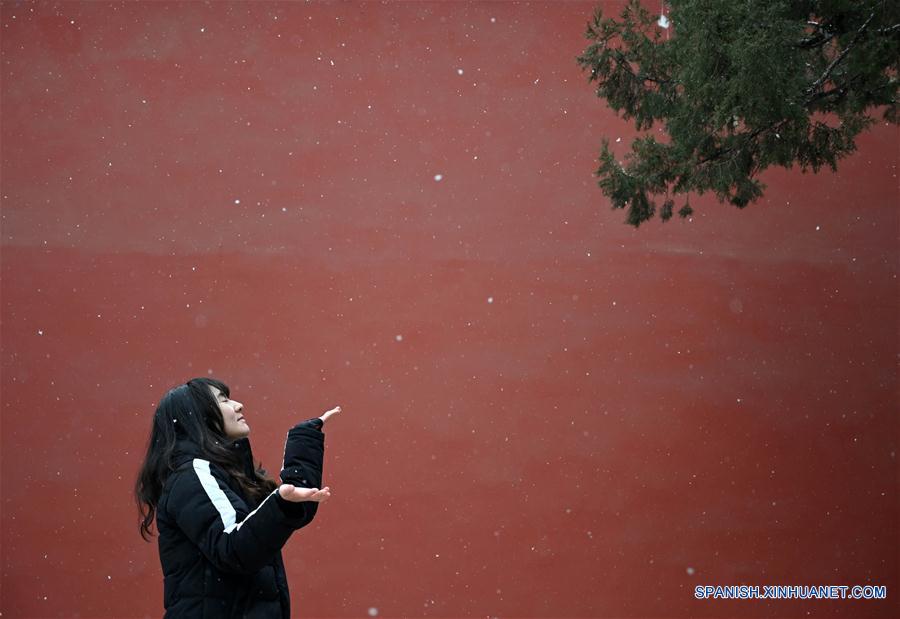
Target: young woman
[221,520]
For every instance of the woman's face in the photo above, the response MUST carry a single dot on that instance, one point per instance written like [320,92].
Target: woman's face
[235,425]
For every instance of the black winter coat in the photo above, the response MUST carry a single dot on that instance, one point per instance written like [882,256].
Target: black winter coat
[220,553]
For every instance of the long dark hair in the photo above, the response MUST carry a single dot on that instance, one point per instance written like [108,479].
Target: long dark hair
[190,412]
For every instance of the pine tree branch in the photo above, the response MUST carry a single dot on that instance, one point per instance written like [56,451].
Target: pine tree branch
[698,85]
[819,38]
[810,92]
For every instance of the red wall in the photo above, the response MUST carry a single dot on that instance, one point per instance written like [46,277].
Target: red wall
[547,412]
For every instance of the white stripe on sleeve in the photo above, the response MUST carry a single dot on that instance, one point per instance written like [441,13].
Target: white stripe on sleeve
[218,498]
[284,451]
[215,494]
[242,522]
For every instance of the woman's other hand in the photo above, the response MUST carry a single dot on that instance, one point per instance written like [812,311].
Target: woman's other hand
[295,494]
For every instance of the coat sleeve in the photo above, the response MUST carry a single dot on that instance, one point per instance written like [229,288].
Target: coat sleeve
[304,450]
[202,504]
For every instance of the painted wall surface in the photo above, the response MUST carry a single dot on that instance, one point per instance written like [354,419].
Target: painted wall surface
[391,207]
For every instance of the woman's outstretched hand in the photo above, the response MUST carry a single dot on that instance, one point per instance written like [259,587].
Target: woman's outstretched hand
[330,413]
[295,494]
